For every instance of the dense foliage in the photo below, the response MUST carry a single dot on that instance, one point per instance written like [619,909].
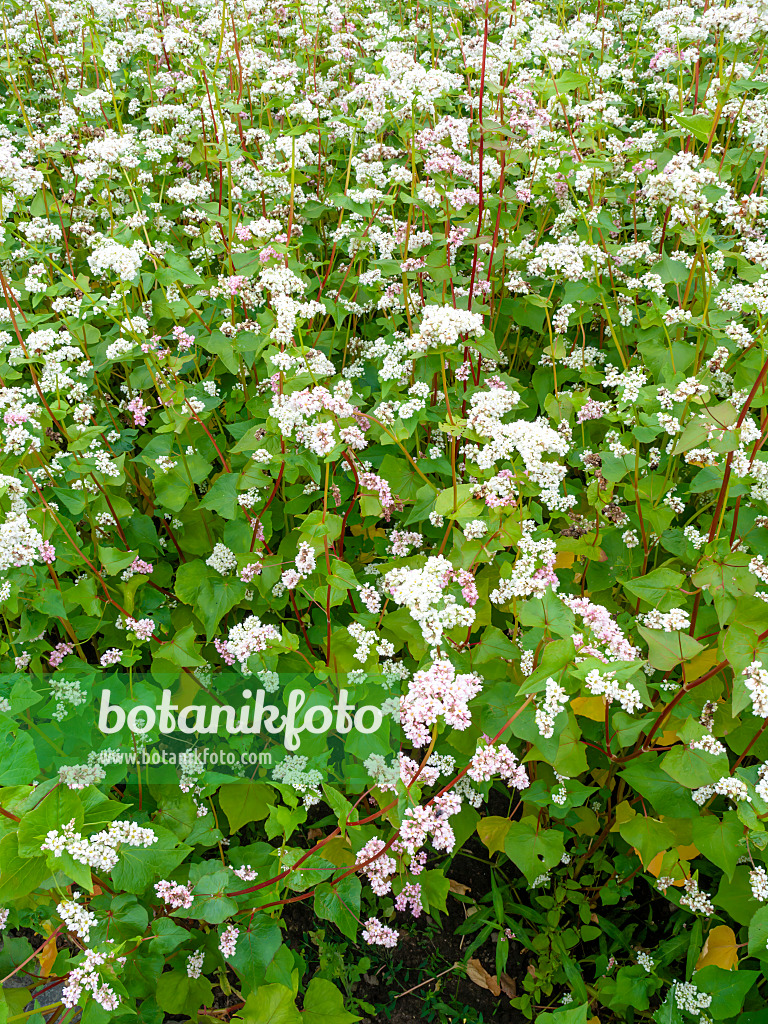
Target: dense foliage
[408,351]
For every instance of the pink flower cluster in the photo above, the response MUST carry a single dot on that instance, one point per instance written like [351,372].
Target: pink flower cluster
[228,941]
[139,410]
[592,410]
[431,820]
[184,341]
[378,934]
[497,760]
[174,894]
[410,898]
[249,572]
[604,630]
[47,552]
[435,692]
[380,871]
[138,566]
[59,653]
[373,482]
[468,587]
[223,650]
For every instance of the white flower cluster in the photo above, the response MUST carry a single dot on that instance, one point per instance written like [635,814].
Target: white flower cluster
[756,681]
[533,572]
[758,881]
[547,710]
[605,685]
[675,621]
[79,776]
[292,771]
[443,326]
[696,899]
[20,543]
[531,440]
[422,590]
[77,918]
[249,637]
[121,260]
[68,695]
[645,960]
[100,850]
[195,964]
[689,998]
[734,789]
[222,559]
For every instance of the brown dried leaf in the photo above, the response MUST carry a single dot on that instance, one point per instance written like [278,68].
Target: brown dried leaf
[508,985]
[458,887]
[478,974]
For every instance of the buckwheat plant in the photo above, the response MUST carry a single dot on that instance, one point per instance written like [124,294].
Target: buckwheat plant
[402,357]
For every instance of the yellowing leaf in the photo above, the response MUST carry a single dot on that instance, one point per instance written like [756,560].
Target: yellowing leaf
[688,852]
[339,852]
[589,707]
[666,864]
[47,952]
[623,813]
[493,832]
[564,559]
[700,664]
[720,949]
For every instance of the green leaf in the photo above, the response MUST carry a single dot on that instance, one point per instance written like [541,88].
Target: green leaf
[179,994]
[257,947]
[245,801]
[211,904]
[665,650]
[727,988]
[57,808]
[694,768]
[339,903]
[758,934]
[317,526]
[221,496]
[181,651]
[668,798]
[210,594]
[719,840]
[18,760]
[565,1015]
[324,1004]
[656,585]
[19,876]
[270,1004]
[699,125]
[735,896]
[532,849]
[493,831]
[668,1012]
[647,835]
[140,866]
[169,935]
[435,887]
